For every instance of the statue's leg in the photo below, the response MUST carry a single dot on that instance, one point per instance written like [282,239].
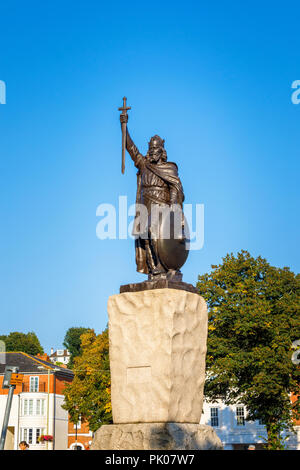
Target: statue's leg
[149,257]
[159,268]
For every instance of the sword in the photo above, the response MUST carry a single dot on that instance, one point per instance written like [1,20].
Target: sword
[124,110]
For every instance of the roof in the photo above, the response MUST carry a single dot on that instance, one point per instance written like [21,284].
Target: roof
[30,364]
[65,352]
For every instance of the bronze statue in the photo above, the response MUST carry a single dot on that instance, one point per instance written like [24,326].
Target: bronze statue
[158,187]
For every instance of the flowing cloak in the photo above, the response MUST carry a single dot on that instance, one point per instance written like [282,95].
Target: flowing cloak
[168,172]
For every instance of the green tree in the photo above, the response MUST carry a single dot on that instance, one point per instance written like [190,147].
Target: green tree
[89,393]
[28,343]
[253,319]
[72,342]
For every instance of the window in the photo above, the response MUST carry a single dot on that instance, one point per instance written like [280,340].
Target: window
[39,407]
[38,433]
[214,417]
[26,435]
[34,384]
[31,435]
[240,415]
[32,407]
[25,407]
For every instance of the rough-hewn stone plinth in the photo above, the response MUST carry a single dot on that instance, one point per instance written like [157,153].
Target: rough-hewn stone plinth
[157,356]
[156,436]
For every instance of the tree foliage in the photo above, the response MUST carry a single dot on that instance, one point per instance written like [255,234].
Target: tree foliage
[89,393]
[22,342]
[72,342]
[254,316]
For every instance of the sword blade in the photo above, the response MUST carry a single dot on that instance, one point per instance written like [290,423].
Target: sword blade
[123,146]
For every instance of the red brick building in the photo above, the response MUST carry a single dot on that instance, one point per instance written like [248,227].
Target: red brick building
[37,402]
[79,435]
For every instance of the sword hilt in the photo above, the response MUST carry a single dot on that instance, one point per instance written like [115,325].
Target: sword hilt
[125,108]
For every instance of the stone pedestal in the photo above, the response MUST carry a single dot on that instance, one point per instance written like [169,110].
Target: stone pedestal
[156,436]
[157,359]
[157,356]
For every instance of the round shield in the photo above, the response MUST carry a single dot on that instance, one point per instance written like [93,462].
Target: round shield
[172,241]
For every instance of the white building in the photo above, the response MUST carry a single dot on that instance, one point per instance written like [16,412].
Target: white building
[60,355]
[235,432]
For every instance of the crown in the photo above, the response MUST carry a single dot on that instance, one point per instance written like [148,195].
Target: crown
[157,141]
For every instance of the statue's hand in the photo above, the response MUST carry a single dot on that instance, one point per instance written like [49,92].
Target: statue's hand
[123,118]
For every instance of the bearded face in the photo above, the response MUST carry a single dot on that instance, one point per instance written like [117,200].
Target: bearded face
[155,153]
[156,149]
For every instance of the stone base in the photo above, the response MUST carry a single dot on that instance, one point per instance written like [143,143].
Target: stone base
[157,348]
[156,436]
[158,284]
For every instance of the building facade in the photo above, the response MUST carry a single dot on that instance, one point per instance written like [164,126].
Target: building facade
[79,435]
[37,403]
[60,355]
[235,432]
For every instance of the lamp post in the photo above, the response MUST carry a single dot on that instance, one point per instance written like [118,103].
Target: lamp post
[7,383]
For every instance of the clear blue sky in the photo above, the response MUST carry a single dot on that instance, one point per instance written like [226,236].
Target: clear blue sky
[212,78]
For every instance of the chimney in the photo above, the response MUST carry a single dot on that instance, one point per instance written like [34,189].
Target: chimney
[51,351]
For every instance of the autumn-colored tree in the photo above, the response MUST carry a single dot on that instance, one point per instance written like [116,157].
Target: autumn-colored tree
[89,393]
[254,317]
